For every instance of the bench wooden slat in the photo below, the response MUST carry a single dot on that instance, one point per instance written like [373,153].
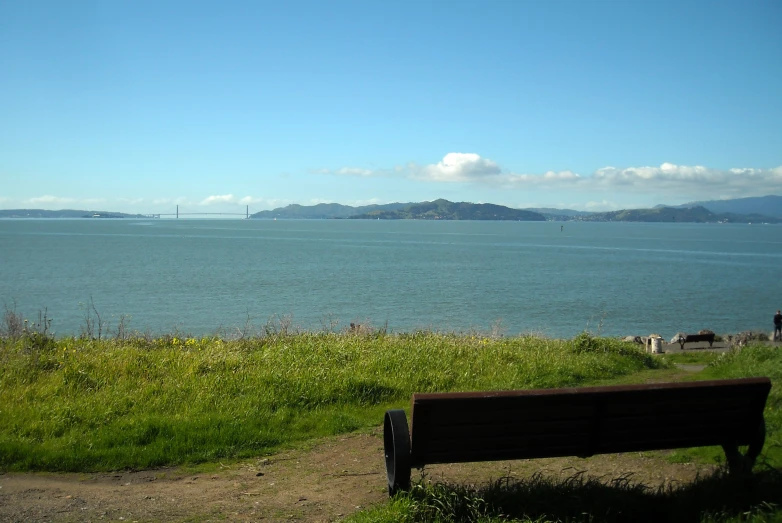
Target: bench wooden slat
[529,412]
[608,428]
[521,443]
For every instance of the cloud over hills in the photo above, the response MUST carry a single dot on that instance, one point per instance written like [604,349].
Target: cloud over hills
[668,178]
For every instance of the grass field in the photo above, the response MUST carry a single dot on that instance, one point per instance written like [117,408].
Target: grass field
[78,404]
[81,404]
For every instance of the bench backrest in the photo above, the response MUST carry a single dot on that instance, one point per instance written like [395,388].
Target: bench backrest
[488,426]
[692,338]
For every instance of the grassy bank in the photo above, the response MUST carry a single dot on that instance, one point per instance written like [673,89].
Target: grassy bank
[81,404]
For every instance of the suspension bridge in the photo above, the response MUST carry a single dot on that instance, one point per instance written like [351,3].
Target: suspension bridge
[177,214]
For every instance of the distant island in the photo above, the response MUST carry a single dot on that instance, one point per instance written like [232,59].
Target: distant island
[696,214]
[445,210]
[740,210]
[323,211]
[64,213]
[759,205]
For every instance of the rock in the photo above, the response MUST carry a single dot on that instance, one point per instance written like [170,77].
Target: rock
[678,337]
[705,331]
[746,337]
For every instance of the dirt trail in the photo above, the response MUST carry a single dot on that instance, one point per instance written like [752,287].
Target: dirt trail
[332,479]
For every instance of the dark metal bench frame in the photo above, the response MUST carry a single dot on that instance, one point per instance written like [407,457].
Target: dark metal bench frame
[694,338]
[583,421]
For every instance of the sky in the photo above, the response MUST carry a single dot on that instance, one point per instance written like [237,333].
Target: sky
[139,106]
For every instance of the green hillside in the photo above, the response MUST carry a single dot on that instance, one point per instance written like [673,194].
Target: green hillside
[445,210]
[695,214]
[321,211]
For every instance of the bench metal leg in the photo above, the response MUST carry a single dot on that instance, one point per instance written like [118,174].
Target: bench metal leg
[396,441]
[742,464]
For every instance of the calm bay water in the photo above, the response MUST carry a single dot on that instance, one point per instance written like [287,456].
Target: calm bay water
[199,276]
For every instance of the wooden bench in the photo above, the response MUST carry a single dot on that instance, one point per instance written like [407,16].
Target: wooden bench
[694,338]
[584,421]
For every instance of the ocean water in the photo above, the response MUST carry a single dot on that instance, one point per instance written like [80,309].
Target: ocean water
[206,276]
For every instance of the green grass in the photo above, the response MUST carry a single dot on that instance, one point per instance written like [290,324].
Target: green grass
[75,404]
[693,358]
[754,360]
[91,405]
[717,498]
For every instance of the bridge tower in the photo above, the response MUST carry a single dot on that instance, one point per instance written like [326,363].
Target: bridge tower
[177,212]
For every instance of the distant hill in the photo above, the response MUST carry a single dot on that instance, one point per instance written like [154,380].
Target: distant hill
[558,215]
[64,213]
[763,205]
[557,212]
[695,214]
[323,211]
[445,210]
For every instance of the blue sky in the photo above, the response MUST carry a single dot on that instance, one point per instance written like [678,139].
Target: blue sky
[592,105]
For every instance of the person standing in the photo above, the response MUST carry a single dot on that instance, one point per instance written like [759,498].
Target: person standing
[778,326]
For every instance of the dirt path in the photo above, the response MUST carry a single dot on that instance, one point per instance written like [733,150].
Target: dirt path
[326,482]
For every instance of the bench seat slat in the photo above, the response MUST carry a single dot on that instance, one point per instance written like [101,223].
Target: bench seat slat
[737,416]
[713,433]
[523,412]
[569,407]
[738,424]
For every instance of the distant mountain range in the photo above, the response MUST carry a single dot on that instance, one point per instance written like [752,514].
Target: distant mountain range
[550,212]
[64,213]
[763,209]
[445,210]
[695,214]
[323,211]
[763,205]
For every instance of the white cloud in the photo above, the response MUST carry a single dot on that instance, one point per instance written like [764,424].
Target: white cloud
[454,167]
[47,199]
[353,171]
[458,167]
[349,171]
[275,203]
[181,200]
[220,198]
[562,175]
[249,200]
[679,182]
[231,199]
[362,203]
[671,178]
[602,206]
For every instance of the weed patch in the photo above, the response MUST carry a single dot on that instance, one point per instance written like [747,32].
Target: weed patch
[90,403]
